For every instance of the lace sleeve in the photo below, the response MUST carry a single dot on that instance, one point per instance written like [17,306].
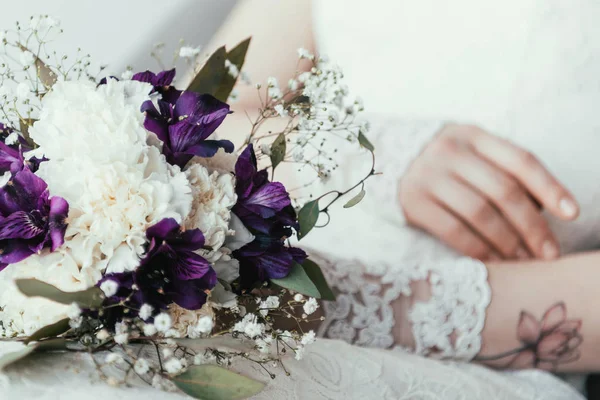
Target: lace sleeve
[427,300]
[397,143]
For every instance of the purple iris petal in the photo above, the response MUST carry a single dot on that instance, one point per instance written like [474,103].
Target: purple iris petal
[260,201]
[267,200]
[185,126]
[161,83]
[29,219]
[265,209]
[164,78]
[172,266]
[266,258]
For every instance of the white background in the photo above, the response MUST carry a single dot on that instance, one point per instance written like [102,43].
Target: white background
[122,32]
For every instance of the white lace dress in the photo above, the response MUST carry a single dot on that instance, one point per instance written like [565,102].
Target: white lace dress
[528,70]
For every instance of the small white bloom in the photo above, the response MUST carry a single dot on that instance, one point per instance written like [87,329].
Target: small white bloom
[75,322]
[298,155]
[141,366]
[102,335]
[310,306]
[173,366]
[274,92]
[281,110]
[74,311]
[298,297]
[122,338]
[127,75]
[232,69]
[264,344]
[121,327]
[162,322]
[293,84]
[265,149]
[27,58]
[245,78]
[189,52]
[205,324]
[303,53]
[146,311]
[308,338]
[149,329]
[109,287]
[113,358]
[272,82]
[167,352]
[12,138]
[299,353]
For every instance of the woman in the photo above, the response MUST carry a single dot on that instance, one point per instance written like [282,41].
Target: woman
[525,71]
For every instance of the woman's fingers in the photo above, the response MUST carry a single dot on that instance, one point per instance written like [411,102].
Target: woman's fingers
[478,212]
[530,172]
[512,199]
[433,218]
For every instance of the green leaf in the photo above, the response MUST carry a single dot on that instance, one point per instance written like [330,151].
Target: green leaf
[308,217]
[216,383]
[236,56]
[90,298]
[49,331]
[356,199]
[315,274]
[210,76]
[51,345]
[213,78]
[278,149]
[44,73]
[364,142]
[298,281]
[10,358]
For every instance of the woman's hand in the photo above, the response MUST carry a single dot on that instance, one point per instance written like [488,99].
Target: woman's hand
[481,195]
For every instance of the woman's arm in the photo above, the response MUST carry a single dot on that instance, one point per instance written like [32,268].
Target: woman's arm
[544,314]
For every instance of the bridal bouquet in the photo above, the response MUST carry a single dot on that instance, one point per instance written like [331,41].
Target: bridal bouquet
[130,232]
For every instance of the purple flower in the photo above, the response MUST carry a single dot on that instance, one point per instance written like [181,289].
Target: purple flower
[266,257]
[262,205]
[172,271]
[265,209]
[125,295]
[29,219]
[11,156]
[161,82]
[184,126]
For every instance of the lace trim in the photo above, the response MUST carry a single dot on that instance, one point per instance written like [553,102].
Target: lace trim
[447,324]
[397,144]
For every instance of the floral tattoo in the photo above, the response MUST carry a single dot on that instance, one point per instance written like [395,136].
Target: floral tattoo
[544,344]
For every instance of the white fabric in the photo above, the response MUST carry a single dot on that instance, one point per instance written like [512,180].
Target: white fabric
[524,69]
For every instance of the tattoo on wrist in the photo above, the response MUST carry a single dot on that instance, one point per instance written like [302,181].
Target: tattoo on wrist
[544,344]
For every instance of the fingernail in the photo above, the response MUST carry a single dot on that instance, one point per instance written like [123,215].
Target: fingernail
[521,253]
[568,207]
[549,250]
